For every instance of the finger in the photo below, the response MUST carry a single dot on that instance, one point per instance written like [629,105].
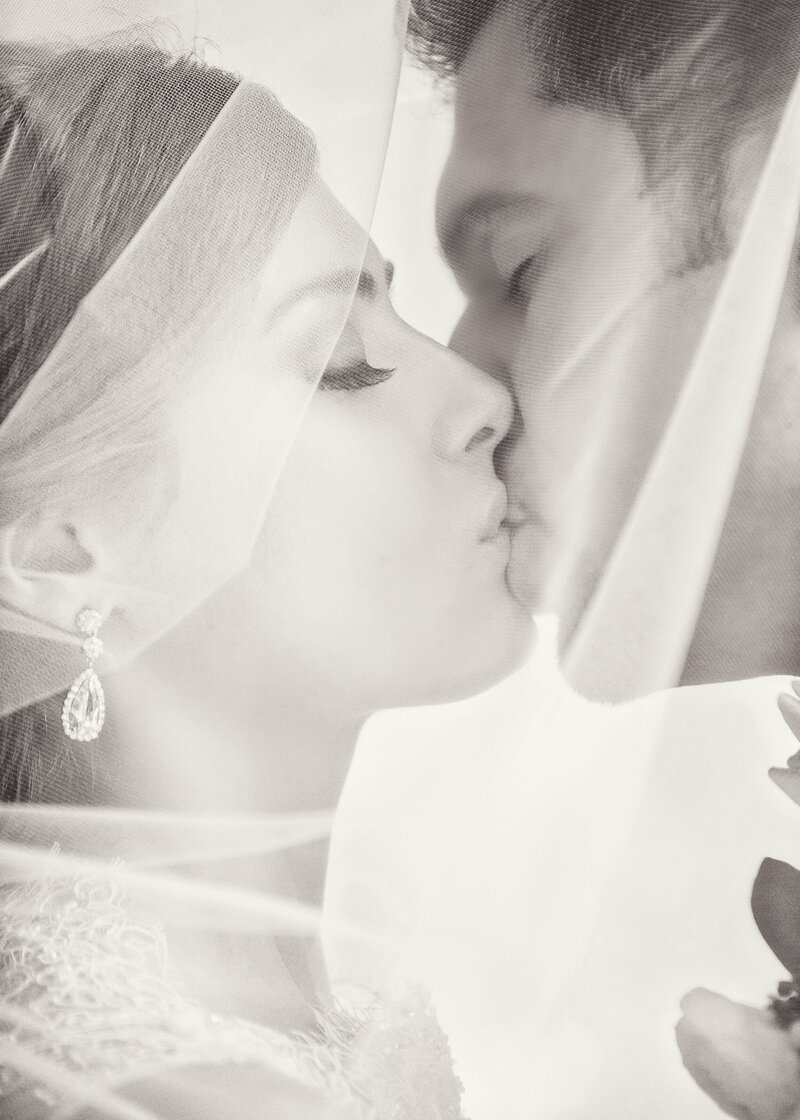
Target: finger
[790,710]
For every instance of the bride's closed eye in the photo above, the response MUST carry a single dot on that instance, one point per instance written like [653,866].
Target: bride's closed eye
[356,375]
[348,368]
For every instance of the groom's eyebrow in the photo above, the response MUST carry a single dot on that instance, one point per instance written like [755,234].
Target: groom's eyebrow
[457,234]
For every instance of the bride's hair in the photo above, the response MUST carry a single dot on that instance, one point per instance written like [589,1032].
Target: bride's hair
[90,140]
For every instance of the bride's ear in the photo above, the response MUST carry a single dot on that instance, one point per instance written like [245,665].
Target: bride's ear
[49,570]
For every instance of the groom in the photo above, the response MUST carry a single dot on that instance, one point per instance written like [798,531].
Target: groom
[604,149]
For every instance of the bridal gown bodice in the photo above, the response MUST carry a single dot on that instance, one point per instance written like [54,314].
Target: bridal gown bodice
[560,874]
[88,990]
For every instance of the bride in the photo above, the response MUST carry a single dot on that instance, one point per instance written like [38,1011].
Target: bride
[242,507]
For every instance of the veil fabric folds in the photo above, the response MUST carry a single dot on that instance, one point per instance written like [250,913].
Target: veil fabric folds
[635,634]
[76,429]
[486,849]
[122,375]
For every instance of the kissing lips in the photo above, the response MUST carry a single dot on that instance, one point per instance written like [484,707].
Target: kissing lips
[523,572]
[496,524]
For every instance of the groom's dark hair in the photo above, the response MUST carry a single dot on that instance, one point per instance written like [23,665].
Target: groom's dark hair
[689,76]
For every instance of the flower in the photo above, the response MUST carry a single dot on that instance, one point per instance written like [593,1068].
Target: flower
[740,1057]
[747,1059]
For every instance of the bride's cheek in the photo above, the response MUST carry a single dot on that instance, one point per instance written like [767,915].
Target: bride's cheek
[350,530]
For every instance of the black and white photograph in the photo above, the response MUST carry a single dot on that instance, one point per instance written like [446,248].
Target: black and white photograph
[399,559]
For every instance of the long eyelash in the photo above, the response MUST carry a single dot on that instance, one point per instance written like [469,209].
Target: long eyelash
[359,375]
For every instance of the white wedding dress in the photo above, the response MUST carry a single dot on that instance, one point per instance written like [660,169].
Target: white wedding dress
[597,866]
[92,999]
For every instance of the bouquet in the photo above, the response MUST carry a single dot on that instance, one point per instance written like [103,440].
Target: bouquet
[748,1058]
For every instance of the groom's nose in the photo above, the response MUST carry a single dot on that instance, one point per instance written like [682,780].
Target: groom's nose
[487,338]
[506,453]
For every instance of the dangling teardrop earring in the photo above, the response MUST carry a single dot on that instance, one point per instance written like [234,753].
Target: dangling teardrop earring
[84,707]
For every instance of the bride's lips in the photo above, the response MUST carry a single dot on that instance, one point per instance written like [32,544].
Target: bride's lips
[506,518]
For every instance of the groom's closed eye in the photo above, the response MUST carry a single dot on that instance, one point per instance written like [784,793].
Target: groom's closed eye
[521,284]
[368,286]
[497,246]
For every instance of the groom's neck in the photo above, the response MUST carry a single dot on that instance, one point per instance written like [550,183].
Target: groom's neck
[749,624]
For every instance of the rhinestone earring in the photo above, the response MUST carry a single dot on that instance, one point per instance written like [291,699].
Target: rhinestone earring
[84,707]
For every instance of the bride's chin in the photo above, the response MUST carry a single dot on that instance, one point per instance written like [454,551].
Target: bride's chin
[519,645]
[494,657]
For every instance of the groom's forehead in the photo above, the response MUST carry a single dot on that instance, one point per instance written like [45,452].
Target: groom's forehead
[549,159]
[509,141]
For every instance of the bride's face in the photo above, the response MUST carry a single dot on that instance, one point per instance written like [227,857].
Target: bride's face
[379,571]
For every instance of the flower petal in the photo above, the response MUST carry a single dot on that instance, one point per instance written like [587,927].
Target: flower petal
[789,704]
[775,902]
[739,1057]
[788,780]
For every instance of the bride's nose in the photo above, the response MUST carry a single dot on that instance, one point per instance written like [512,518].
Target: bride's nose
[476,411]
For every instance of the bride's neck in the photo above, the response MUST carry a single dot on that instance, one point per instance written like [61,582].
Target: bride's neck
[187,751]
[184,742]
[190,749]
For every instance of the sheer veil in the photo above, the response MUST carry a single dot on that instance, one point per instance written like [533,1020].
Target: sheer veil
[137,418]
[161,363]
[635,633]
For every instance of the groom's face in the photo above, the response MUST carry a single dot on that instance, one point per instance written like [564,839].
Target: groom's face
[543,215]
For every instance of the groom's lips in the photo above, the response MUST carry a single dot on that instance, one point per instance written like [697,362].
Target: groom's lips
[523,573]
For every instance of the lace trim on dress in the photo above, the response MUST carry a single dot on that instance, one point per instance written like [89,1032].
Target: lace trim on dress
[91,990]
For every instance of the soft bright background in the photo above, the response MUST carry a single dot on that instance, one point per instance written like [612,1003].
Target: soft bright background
[424,290]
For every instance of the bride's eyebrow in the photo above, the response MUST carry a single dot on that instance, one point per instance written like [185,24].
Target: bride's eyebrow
[340,283]
[363,283]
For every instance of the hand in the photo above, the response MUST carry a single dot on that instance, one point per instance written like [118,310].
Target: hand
[789,704]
